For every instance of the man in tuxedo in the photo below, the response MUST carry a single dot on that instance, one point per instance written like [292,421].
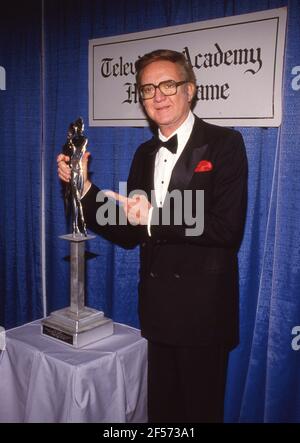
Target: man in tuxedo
[188,289]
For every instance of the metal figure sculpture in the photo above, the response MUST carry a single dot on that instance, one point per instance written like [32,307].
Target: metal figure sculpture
[75,148]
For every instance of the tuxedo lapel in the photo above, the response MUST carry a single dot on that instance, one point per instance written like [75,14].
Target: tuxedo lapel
[148,178]
[193,152]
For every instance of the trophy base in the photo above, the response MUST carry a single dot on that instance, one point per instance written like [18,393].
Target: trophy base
[77,329]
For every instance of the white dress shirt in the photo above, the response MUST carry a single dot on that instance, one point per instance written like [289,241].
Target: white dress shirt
[166,160]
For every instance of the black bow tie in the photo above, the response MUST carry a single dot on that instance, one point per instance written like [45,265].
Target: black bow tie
[170,144]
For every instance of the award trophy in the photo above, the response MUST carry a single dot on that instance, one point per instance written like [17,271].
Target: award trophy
[77,325]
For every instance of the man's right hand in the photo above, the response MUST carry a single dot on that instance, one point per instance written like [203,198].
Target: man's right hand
[64,170]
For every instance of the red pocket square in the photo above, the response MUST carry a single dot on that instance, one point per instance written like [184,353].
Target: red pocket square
[204,166]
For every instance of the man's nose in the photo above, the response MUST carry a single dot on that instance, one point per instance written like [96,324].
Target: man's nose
[159,96]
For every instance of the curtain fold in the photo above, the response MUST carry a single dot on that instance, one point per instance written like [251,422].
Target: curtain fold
[20,281]
[271,392]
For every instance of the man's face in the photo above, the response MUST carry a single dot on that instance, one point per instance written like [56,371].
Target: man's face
[168,112]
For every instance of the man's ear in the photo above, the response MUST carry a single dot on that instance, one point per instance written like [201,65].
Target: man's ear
[191,89]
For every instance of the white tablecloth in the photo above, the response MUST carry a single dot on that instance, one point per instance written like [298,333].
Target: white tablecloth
[42,380]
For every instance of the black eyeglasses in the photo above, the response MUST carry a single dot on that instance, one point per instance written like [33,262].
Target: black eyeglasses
[167,87]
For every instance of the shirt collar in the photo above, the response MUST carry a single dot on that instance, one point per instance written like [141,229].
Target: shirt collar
[183,132]
[185,128]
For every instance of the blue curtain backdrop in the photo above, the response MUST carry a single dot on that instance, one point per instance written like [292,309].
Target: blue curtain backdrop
[45,54]
[20,135]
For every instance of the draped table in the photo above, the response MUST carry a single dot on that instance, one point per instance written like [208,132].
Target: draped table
[43,380]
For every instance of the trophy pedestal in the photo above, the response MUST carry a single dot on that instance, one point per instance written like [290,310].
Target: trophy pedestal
[77,329]
[77,325]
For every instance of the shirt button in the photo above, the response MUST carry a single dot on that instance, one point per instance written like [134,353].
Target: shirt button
[176,275]
[162,182]
[165,160]
[153,274]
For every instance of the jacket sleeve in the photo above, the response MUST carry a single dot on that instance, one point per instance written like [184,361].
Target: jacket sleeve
[106,218]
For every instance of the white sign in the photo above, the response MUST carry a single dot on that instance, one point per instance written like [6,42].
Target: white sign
[238,62]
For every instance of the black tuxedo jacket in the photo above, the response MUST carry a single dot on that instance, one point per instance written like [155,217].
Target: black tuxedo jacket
[188,288]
